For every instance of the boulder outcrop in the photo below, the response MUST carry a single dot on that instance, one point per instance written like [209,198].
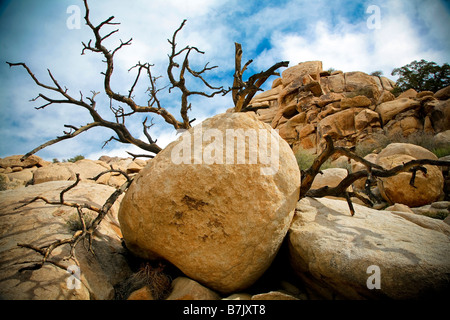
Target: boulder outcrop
[16,162]
[34,170]
[306,102]
[187,289]
[221,224]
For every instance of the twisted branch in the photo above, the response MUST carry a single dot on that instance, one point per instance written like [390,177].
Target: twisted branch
[181,82]
[244,91]
[86,233]
[371,172]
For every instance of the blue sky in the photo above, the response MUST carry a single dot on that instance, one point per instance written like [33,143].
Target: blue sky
[335,32]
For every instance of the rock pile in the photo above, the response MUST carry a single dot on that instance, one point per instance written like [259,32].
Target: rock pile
[307,102]
[332,254]
[39,224]
[236,230]
[15,173]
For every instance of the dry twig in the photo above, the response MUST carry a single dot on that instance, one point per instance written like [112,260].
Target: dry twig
[86,233]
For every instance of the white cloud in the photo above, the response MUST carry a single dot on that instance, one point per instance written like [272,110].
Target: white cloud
[354,47]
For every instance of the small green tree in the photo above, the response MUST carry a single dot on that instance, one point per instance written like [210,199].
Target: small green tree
[423,76]
[75,159]
[378,73]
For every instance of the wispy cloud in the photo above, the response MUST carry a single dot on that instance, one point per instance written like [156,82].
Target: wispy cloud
[403,36]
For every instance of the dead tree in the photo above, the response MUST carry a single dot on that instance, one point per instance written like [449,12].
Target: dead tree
[244,91]
[371,172]
[177,73]
[127,105]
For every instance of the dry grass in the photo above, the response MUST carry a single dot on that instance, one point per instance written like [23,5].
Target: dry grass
[153,277]
[305,160]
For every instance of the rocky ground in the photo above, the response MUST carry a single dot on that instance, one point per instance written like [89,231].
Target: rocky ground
[228,232]
[326,252]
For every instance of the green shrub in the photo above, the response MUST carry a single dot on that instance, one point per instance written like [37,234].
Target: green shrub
[422,76]
[73,160]
[396,91]
[378,73]
[76,158]
[378,142]
[441,151]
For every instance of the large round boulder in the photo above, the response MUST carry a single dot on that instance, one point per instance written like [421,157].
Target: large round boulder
[215,203]
[428,186]
[409,149]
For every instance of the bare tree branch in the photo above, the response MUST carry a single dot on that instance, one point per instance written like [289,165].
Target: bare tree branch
[371,172]
[134,156]
[85,233]
[146,127]
[181,82]
[244,91]
[120,103]
[129,180]
[61,138]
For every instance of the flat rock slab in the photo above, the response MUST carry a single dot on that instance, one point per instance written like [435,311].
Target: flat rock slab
[340,256]
[40,224]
